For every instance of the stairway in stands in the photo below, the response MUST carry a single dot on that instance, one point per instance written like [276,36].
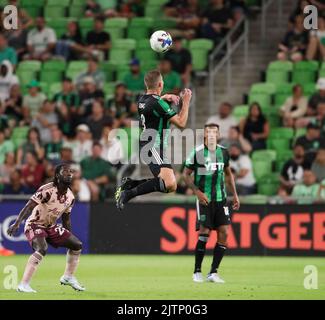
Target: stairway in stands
[260,54]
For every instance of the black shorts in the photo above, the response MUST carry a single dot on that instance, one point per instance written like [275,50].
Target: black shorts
[212,216]
[159,160]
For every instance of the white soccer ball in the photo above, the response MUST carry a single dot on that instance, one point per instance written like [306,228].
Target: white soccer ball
[161,41]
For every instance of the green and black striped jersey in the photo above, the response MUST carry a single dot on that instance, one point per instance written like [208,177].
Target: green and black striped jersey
[154,114]
[208,167]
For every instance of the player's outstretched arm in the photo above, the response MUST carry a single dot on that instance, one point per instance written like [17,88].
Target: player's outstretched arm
[203,199]
[236,203]
[180,120]
[25,213]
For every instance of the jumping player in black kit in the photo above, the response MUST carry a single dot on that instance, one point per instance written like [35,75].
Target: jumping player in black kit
[155,118]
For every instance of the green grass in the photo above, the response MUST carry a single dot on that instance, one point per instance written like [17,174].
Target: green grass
[169,277]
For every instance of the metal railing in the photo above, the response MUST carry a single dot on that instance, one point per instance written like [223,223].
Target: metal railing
[226,48]
[237,36]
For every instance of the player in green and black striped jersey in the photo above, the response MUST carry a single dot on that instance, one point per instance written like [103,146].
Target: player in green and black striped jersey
[155,117]
[210,164]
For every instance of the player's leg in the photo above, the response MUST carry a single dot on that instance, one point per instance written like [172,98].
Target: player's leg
[40,248]
[74,246]
[200,253]
[218,253]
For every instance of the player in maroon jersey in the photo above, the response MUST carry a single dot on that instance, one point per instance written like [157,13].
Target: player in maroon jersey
[50,202]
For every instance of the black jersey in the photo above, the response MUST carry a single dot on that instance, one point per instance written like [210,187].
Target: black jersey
[154,114]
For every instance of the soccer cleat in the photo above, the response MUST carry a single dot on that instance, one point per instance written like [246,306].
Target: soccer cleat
[214,277]
[198,277]
[72,282]
[121,200]
[24,287]
[6,253]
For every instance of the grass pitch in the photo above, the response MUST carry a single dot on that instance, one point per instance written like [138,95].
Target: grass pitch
[169,277]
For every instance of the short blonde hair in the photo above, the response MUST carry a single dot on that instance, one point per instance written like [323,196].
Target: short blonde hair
[152,79]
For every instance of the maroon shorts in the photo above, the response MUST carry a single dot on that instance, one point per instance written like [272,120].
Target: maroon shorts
[55,235]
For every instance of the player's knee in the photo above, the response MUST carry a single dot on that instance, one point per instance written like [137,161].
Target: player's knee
[42,250]
[171,187]
[77,246]
[223,236]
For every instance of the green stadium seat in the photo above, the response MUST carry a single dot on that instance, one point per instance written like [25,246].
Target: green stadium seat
[240,111]
[261,168]
[59,25]
[116,27]
[109,68]
[255,199]
[28,70]
[278,144]
[278,71]
[128,44]
[34,11]
[305,72]
[38,3]
[200,49]
[267,155]
[300,132]
[86,25]
[157,2]
[269,185]
[44,87]
[139,28]
[58,65]
[282,157]
[164,24]
[309,89]
[54,88]
[283,91]
[269,88]
[30,65]
[63,3]
[20,132]
[54,12]
[50,76]
[121,70]
[262,93]
[146,55]
[281,133]
[148,65]
[122,50]
[76,11]
[75,68]
[107,4]
[79,2]
[109,88]
[153,11]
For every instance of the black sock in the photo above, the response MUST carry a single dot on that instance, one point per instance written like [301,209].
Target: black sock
[200,251]
[218,252]
[151,185]
[136,183]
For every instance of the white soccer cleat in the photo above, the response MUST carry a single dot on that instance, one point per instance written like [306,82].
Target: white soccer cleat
[198,277]
[72,282]
[24,287]
[214,277]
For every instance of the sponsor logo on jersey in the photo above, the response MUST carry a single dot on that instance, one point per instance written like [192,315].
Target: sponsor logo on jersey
[142,105]
[213,166]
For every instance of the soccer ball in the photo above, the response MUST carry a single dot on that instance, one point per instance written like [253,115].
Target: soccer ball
[161,41]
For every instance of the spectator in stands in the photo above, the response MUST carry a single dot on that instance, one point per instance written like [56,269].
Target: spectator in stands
[7,168]
[318,166]
[17,39]
[298,11]
[224,119]
[181,60]
[112,147]
[15,186]
[216,21]
[7,79]
[53,148]
[235,137]
[242,168]
[81,146]
[33,101]
[13,106]
[320,118]
[316,45]
[308,190]
[319,4]
[98,40]
[293,170]
[70,45]
[33,144]
[67,103]
[120,107]
[130,8]
[187,17]
[80,190]
[92,9]
[96,171]
[238,8]
[134,79]
[312,141]
[255,127]
[294,107]
[172,79]
[40,41]
[32,172]
[295,42]
[5,146]
[45,119]
[93,72]
[97,120]
[7,53]
[88,94]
